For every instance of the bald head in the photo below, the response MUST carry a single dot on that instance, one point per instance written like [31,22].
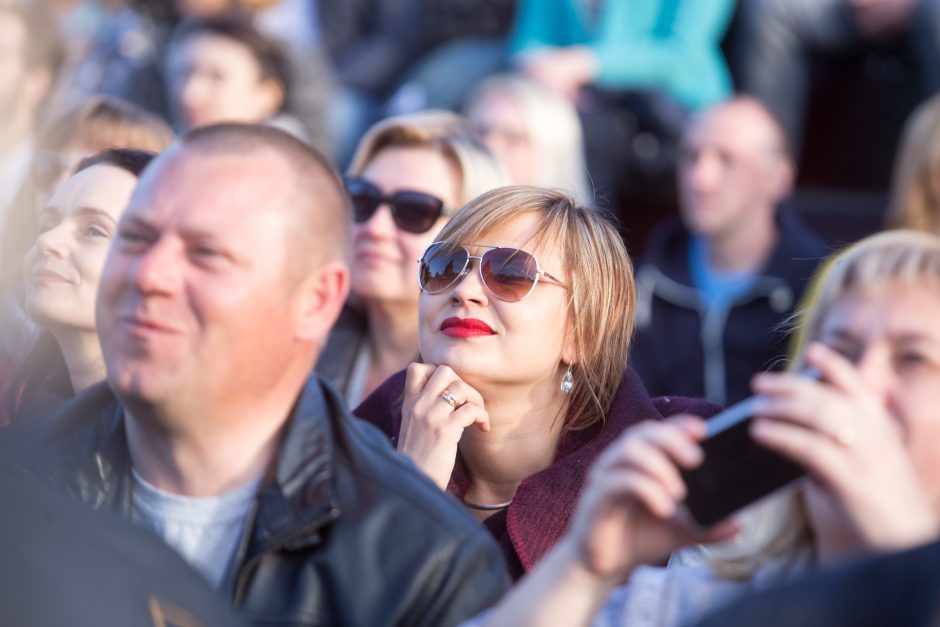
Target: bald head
[317,199]
[733,169]
[754,128]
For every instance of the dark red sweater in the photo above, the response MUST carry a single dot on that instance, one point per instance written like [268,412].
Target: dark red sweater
[544,502]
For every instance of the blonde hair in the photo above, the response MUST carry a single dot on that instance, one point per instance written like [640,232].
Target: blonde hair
[103,122]
[442,132]
[779,527]
[601,290]
[915,189]
[552,127]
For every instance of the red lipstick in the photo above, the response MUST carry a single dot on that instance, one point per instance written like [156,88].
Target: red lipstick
[465,327]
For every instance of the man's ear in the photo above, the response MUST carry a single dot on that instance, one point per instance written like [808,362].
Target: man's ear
[272,96]
[781,179]
[318,301]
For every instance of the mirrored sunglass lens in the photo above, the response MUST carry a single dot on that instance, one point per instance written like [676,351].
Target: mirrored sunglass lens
[509,273]
[440,267]
[415,212]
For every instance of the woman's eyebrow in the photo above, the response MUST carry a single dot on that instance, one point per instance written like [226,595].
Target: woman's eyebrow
[97,213]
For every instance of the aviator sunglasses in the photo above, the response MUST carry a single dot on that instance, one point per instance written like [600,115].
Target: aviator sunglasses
[509,273]
[414,212]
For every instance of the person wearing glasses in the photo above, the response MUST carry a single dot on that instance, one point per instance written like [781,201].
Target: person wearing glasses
[526,312]
[408,175]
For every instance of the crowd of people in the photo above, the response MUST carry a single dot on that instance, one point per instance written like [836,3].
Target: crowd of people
[321,313]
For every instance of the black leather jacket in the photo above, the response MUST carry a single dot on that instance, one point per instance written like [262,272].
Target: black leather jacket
[346,531]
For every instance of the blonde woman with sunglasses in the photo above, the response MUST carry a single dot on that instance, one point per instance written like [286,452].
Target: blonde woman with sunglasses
[408,175]
[524,326]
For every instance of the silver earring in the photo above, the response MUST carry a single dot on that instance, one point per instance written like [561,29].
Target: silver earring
[567,382]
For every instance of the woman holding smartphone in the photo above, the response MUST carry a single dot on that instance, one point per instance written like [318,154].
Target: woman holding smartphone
[408,175]
[524,325]
[868,432]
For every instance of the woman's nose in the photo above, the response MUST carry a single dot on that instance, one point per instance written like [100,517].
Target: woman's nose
[52,242]
[470,287]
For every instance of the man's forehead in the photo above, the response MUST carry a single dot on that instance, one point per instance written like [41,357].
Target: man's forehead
[191,178]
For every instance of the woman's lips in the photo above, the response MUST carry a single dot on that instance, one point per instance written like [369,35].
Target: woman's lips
[465,327]
[49,276]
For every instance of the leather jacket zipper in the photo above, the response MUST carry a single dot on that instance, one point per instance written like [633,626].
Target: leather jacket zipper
[243,573]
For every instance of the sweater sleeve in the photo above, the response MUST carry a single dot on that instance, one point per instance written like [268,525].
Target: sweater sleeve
[656,58]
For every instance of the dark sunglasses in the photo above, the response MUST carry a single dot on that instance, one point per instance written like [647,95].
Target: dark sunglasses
[509,273]
[414,212]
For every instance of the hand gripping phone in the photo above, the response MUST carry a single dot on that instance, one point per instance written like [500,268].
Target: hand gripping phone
[736,470]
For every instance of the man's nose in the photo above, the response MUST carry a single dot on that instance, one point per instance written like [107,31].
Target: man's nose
[159,269]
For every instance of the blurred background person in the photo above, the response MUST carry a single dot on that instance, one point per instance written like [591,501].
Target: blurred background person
[223,70]
[714,287]
[525,319]
[90,126]
[60,280]
[778,39]
[634,70]
[462,43]
[536,134]
[408,176]
[915,188]
[868,432]
[31,57]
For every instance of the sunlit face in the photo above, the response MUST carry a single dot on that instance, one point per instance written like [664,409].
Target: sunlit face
[215,79]
[501,122]
[892,334]
[529,339]
[197,294]
[727,174]
[63,267]
[385,258]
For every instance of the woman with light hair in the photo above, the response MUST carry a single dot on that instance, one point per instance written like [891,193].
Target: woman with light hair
[526,313]
[915,189]
[868,432]
[534,132]
[408,176]
[86,128]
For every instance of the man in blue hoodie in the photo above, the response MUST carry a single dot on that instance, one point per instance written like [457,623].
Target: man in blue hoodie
[715,288]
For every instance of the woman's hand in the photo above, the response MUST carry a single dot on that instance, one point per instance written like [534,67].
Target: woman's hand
[627,514]
[430,425]
[842,432]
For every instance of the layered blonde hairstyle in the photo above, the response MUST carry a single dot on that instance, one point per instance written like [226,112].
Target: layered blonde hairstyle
[915,188]
[778,528]
[601,290]
[441,132]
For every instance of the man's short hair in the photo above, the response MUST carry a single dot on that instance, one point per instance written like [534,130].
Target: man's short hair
[267,53]
[320,199]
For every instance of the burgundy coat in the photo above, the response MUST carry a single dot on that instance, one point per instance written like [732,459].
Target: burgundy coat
[543,504]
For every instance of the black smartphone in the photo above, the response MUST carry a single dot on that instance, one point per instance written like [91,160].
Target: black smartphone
[736,470]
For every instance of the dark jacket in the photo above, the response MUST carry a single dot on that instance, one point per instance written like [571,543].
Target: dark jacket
[543,504]
[682,347]
[345,531]
[896,589]
[338,357]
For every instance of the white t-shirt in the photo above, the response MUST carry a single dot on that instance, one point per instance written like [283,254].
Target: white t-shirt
[204,530]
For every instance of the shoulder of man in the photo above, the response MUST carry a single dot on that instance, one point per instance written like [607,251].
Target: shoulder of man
[56,443]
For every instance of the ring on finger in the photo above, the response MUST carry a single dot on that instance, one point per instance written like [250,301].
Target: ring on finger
[450,399]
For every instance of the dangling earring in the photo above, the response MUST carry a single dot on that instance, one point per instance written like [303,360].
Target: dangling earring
[567,382]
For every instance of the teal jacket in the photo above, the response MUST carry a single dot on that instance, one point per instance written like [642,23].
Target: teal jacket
[673,45]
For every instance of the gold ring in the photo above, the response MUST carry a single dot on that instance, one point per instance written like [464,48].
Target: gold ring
[846,435]
[450,399]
